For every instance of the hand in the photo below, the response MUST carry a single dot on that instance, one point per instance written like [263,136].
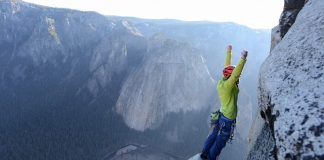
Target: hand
[229,48]
[244,54]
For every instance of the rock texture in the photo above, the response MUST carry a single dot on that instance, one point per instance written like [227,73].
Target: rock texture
[140,152]
[291,88]
[289,14]
[172,78]
[275,37]
[195,157]
[263,145]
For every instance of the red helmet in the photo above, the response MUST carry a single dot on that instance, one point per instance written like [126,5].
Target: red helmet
[227,71]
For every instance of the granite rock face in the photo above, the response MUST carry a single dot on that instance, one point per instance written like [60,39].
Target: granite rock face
[275,37]
[291,89]
[263,145]
[289,14]
[138,152]
[172,78]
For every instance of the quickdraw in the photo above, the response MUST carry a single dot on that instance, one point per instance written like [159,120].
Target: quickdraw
[232,132]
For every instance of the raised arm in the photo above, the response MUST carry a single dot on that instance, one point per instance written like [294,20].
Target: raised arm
[228,55]
[231,81]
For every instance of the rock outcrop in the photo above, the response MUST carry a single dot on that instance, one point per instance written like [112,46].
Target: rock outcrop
[291,90]
[172,78]
[289,14]
[261,146]
[275,37]
[195,157]
[139,152]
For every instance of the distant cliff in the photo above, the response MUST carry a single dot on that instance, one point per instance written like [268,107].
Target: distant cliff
[172,78]
[292,94]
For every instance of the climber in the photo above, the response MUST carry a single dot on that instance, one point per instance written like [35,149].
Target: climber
[225,119]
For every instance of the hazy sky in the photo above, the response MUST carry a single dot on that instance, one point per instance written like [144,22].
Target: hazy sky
[252,13]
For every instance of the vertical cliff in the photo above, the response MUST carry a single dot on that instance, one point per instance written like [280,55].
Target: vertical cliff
[291,92]
[172,78]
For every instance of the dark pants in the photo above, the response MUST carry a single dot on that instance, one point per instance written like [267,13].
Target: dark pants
[216,141]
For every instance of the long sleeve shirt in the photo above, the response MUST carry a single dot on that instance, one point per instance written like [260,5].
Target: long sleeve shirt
[228,89]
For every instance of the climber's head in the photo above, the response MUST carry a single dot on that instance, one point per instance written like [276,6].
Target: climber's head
[227,71]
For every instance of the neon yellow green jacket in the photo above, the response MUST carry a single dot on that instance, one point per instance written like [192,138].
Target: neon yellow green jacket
[228,89]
